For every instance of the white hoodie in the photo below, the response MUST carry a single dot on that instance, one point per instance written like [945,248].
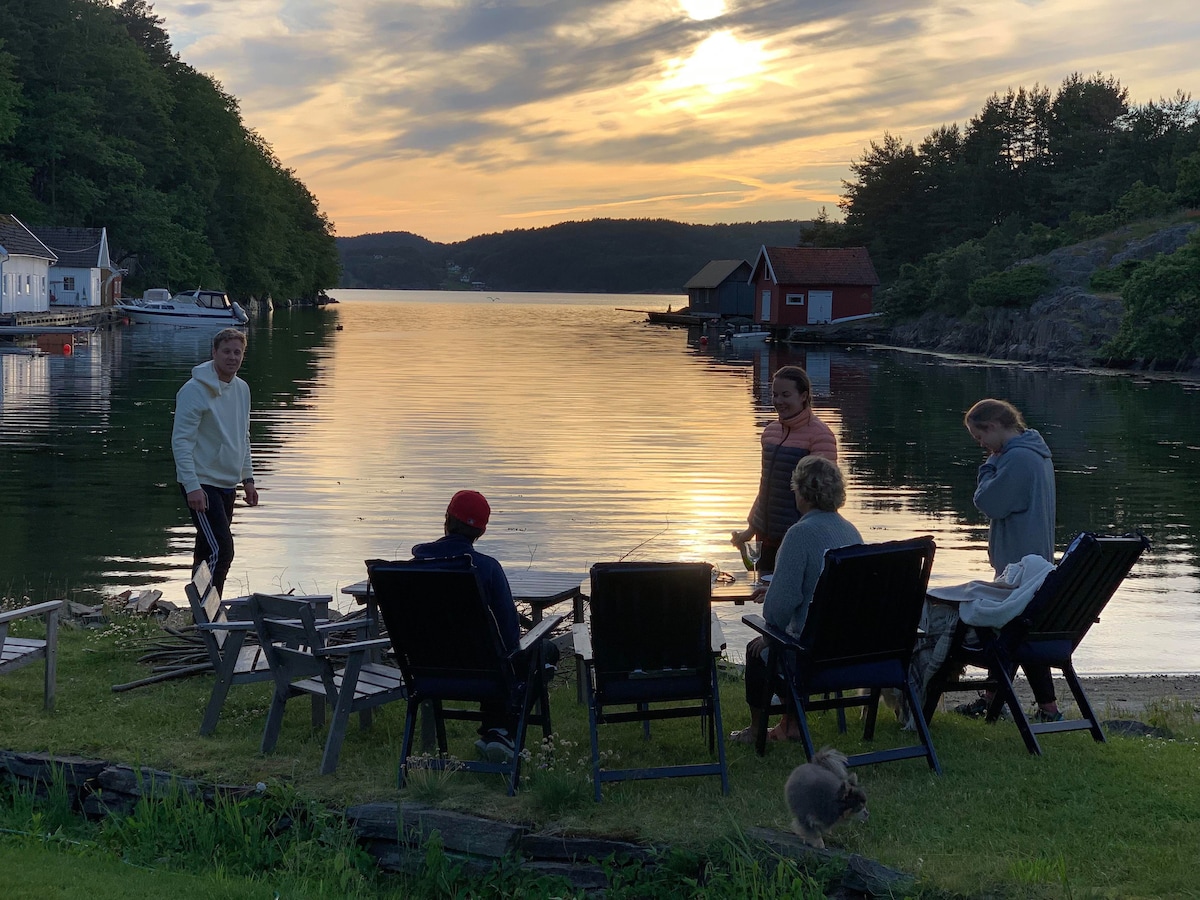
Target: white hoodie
[211,435]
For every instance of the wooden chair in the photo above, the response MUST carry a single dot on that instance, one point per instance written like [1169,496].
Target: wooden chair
[1047,632]
[652,644]
[303,661]
[230,640]
[450,649]
[859,635]
[16,653]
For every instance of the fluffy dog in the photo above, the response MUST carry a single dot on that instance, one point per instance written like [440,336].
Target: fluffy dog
[820,794]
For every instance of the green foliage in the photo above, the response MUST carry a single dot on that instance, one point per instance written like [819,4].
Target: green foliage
[111,129]
[1016,288]
[1114,278]
[1162,309]
[1142,202]
[1068,165]
[1187,180]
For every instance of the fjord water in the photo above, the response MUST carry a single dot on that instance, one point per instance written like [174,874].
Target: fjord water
[594,436]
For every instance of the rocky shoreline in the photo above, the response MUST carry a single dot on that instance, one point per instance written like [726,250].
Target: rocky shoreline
[1068,326]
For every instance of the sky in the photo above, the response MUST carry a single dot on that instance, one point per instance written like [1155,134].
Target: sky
[453,118]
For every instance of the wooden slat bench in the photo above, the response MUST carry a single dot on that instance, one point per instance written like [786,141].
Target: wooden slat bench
[16,653]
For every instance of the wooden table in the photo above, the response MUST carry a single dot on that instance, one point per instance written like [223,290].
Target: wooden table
[539,589]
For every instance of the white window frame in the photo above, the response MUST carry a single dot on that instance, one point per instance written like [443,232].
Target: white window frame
[68,282]
[794,299]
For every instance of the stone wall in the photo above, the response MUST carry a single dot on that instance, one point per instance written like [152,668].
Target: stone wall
[396,833]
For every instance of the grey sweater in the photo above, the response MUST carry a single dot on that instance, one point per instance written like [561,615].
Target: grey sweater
[1016,492]
[798,566]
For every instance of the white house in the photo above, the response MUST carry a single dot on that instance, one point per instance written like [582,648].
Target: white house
[24,268]
[83,274]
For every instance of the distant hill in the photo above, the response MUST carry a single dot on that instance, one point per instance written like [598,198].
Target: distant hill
[614,256]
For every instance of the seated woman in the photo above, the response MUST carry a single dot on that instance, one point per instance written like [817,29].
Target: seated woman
[819,489]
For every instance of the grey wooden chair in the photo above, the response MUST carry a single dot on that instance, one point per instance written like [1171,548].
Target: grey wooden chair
[16,653]
[231,642]
[303,661]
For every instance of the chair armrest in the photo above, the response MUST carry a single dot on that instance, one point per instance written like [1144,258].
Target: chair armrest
[38,609]
[581,638]
[235,625]
[356,647]
[717,635]
[355,624]
[759,624]
[539,631]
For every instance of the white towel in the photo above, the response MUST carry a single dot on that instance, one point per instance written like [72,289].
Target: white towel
[992,604]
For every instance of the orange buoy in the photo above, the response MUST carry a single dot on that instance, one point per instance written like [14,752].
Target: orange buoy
[703,340]
[66,349]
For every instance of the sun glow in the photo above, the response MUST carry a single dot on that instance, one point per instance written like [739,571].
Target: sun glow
[701,10]
[720,64]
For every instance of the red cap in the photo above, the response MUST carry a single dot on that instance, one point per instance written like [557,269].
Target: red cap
[470,508]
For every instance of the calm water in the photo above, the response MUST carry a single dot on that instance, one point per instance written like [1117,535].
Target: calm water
[594,436]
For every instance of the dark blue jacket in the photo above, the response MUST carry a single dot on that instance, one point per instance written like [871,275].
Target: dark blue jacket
[491,575]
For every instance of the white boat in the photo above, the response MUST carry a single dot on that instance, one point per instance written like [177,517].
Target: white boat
[198,307]
[753,335]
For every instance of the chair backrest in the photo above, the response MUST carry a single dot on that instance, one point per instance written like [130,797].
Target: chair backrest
[651,616]
[439,622]
[868,602]
[205,603]
[287,630]
[1072,597]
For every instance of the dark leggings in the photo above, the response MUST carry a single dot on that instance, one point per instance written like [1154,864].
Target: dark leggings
[756,676]
[1041,682]
[214,540]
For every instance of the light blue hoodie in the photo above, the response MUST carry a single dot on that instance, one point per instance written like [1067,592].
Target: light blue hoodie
[211,434]
[1015,491]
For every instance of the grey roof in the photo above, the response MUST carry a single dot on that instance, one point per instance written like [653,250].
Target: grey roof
[17,240]
[79,248]
[715,273]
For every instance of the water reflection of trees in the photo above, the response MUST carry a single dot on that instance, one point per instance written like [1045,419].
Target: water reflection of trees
[91,480]
[1127,451]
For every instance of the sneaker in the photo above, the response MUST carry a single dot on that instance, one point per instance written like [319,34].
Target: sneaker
[976,709]
[496,747]
[1042,716]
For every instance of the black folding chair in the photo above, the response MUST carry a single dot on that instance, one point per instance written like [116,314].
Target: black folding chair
[1046,633]
[652,644]
[450,650]
[859,635]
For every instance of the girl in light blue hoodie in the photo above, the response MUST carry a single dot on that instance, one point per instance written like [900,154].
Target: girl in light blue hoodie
[1015,490]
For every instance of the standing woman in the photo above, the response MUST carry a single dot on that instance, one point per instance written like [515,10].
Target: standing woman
[795,435]
[1015,490]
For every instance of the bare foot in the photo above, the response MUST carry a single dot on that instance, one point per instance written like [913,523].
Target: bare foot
[782,733]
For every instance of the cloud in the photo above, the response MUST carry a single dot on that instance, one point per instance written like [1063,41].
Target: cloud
[464,114]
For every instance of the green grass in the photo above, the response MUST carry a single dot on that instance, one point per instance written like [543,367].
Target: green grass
[1085,820]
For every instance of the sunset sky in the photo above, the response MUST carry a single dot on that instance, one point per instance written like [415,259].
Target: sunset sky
[450,119]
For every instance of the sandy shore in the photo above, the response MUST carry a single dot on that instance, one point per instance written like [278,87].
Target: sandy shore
[1124,696]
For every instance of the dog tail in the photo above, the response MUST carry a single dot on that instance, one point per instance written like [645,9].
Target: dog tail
[831,759]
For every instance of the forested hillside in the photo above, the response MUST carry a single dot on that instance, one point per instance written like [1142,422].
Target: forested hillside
[602,255]
[953,222]
[101,124]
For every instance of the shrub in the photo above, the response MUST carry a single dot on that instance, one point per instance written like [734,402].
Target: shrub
[1016,288]
[1114,279]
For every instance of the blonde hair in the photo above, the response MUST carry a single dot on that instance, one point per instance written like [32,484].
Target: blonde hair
[820,482]
[1001,412]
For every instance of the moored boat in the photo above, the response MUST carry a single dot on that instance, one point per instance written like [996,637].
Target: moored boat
[198,307]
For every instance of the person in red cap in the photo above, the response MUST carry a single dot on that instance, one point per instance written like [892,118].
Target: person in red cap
[466,520]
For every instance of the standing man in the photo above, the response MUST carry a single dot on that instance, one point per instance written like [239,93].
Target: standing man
[211,443]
